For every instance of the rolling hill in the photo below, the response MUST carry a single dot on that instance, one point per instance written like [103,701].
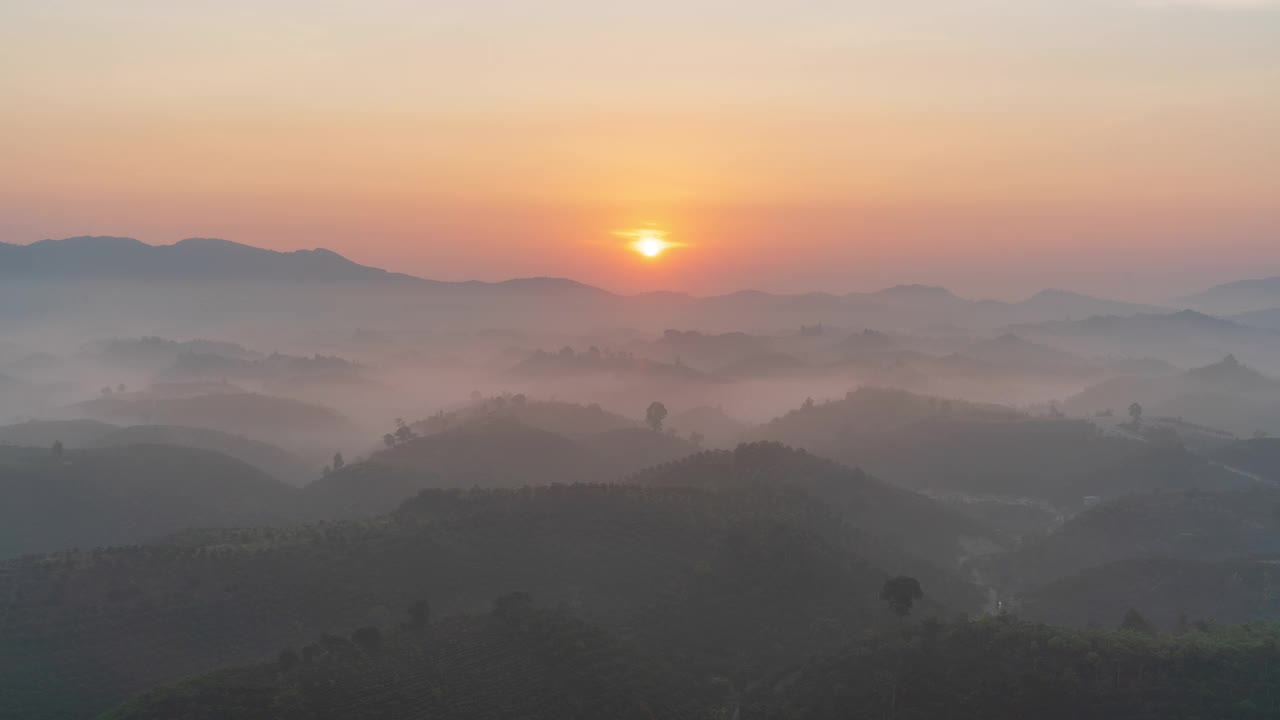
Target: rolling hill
[1258,456]
[1186,338]
[42,434]
[562,418]
[490,452]
[80,434]
[515,661]
[1169,592]
[276,419]
[953,447]
[1000,668]
[128,494]
[905,519]
[1192,525]
[1237,297]
[729,584]
[1226,394]
[276,462]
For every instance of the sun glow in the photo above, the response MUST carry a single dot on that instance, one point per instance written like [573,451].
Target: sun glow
[650,246]
[648,242]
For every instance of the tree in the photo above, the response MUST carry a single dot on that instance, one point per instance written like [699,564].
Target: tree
[901,593]
[338,462]
[403,433]
[696,438]
[654,416]
[1135,412]
[56,449]
[808,403]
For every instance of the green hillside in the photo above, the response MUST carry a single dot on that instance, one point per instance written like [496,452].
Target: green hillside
[1183,525]
[1000,668]
[907,520]
[128,494]
[1169,592]
[512,662]
[84,630]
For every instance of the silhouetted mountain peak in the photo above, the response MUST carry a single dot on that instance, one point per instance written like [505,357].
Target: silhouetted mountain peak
[915,292]
[1229,370]
[553,285]
[188,260]
[204,242]
[1238,296]
[1193,316]
[93,241]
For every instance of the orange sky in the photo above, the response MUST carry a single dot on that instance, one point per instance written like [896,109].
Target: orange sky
[1119,146]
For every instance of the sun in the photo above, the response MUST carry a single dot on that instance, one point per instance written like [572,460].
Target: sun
[648,242]
[649,246]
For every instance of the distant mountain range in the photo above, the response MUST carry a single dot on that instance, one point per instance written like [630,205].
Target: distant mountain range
[186,284]
[213,260]
[194,259]
[1242,296]
[216,260]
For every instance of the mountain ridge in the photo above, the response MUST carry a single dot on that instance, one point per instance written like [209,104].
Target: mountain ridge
[114,257]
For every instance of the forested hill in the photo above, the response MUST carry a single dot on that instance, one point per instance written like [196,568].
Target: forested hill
[1002,669]
[55,500]
[944,446]
[486,452]
[515,661]
[728,583]
[906,519]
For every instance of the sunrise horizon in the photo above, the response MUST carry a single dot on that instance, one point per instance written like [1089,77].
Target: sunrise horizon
[1122,147]
[635,246]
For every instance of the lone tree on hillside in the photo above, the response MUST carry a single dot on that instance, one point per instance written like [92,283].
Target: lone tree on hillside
[402,435]
[1135,412]
[56,449]
[901,593]
[338,462]
[654,416]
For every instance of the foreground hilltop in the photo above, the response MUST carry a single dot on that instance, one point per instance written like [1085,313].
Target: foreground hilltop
[722,583]
[514,661]
[998,668]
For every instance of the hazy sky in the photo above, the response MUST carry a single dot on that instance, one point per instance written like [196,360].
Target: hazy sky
[1130,147]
